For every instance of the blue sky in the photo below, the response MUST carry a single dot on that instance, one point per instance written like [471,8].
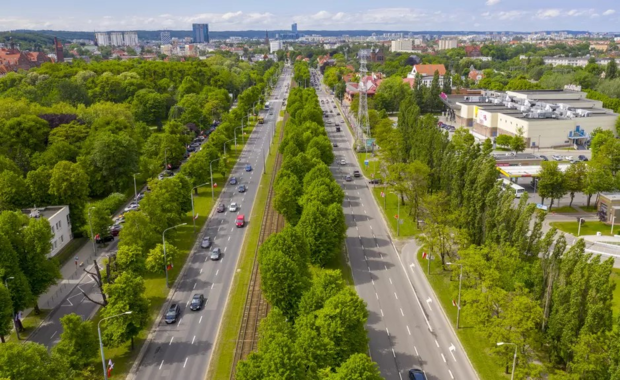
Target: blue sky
[483,15]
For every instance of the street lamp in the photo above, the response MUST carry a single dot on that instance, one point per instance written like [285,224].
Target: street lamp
[235,132]
[397,213]
[135,188]
[225,145]
[613,220]
[458,310]
[514,360]
[163,238]
[165,158]
[6,284]
[211,172]
[192,196]
[579,227]
[92,236]
[105,373]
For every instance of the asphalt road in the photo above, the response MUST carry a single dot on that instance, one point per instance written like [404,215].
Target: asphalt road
[183,350]
[406,326]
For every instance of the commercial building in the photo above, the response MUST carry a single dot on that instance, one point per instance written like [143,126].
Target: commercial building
[448,43]
[102,39]
[200,33]
[165,38]
[608,207]
[60,223]
[427,73]
[131,39]
[402,45]
[546,118]
[275,46]
[294,28]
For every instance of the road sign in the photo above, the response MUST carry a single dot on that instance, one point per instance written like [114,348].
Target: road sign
[215,185]
[366,162]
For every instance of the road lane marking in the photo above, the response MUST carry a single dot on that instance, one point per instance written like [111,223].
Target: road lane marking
[52,337]
[200,320]
[373,281]
[388,331]
[232,229]
[416,350]
[211,287]
[436,343]
[194,286]
[200,270]
[391,281]
[229,238]
[187,304]
[365,258]
[393,353]
[171,339]
[451,349]
[162,363]
[225,249]
[401,312]
[412,266]
[217,271]
[444,358]
[382,313]
[385,266]
[409,331]
[376,295]
[395,295]
[428,302]
[400,375]
[184,364]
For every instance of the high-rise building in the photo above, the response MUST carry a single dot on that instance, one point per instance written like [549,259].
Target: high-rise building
[402,45]
[294,28]
[60,57]
[102,39]
[116,39]
[165,37]
[201,33]
[448,43]
[131,39]
[275,46]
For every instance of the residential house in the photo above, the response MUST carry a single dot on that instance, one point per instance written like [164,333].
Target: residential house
[427,72]
[475,75]
[473,51]
[371,82]
[60,223]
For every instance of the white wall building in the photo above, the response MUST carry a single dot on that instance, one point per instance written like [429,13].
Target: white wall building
[275,46]
[448,43]
[402,45]
[131,39]
[60,223]
[103,39]
[570,61]
[116,39]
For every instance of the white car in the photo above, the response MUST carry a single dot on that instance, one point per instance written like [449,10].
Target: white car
[232,207]
[568,158]
[343,162]
[131,207]
[556,157]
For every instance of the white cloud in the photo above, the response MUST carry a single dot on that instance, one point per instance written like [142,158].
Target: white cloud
[609,12]
[544,14]
[493,2]
[510,15]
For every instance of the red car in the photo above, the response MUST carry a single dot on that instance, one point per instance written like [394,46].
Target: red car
[240,222]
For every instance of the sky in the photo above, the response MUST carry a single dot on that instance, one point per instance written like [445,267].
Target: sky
[445,15]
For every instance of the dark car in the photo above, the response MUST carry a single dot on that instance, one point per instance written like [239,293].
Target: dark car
[416,374]
[103,239]
[544,158]
[375,181]
[582,158]
[335,145]
[197,301]
[173,313]
[241,188]
[248,168]
[216,254]
[221,207]
[115,229]
[206,242]
[233,181]
[356,173]
[348,178]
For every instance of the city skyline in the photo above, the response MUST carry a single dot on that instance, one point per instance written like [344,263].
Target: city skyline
[480,15]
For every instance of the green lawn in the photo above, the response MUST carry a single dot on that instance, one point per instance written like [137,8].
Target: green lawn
[476,345]
[183,238]
[588,208]
[389,206]
[587,228]
[30,323]
[564,210]
[223,354]
[372,170]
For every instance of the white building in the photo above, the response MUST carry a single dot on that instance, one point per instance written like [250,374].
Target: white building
[275,46]
[116,39]
[570,61]
[448,43]
[103,39]
[131,39]
[60,223]
[427,72]
[402,45]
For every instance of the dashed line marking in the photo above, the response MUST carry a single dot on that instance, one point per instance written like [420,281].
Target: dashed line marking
[184,364]
[395,295]
[450,372]
[444,358]
[385,266]
[373,281]
[160,364]
[52,337]
[409,331]
[393,353]
[391,281]
[217,271]
[382,313]
[200,320]
[376,295]
[436,343]
[193,339]
[200,270]
[416,350]
[401,312]
[194,286]
[388,331]
[211,288]
[171,339]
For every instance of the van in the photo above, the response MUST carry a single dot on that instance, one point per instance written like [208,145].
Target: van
[240,222]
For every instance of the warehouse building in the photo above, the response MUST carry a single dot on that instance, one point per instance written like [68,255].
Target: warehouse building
[547,118]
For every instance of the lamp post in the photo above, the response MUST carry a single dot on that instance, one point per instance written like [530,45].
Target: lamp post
[105,373]
[211,172]
[225,145]
[397,213]
[235,132]
[135,188]
[165,158]
[579,227]
[92,236]
[613,220]
[6,284]
[192,196]
[458,310]
[163,238]
[514,360]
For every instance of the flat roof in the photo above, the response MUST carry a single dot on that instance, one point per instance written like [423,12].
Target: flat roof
[519,156]
[611,196]
[47,212]
[525,171]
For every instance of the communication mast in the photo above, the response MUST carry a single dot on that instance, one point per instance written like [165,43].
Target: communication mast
[363,123]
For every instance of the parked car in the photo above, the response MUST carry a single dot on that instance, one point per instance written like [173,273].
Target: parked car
[335,145]
[568,158]
[356,173]
[115,229]
[544,158]
[416,374]
[119,219]
[375,181]
[173,313]
[103,239]
[206,242]
[232,207]
[216,254]
[197,301]
[556,157]
[132,206]
[241,188]
[582,158]
[248,168]
[233,181]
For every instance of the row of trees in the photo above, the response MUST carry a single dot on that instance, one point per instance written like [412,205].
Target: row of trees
[316,326]
[518,282]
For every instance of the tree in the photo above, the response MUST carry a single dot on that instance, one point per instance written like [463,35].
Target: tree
[325,284]
[6,313]
[32,361]
[99,219]
[138,231]
[78,342]
[575,177]
[551,183]
[517,142]
[69,185]
[287,192]
[324,146]
[12,194]
[167,202]
[22,136]
[390,93]
[323,241]
[126,294]
[598,178]
[359,367]
[155,262]
[131,259]
[611,70]
[323,190]
[38,182]
[149,107]
[503,140]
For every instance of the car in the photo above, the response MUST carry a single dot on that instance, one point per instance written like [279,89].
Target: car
[165,174]
[240,221]
[103,239]
[331,111]
[206,242]
[582,158]
[337,124]
[568,158]
[416,374]
[335,145]
[232,207]
[271,112]
[119,219]
[348,178]
[173,313]
[556,157]
[221,208]
[233,181]
[544,158]
[375,181]
[216,254]
[133,206]
[356,173]
[248,168]
[115,229]
[197,301]
[343,162]
[241,188]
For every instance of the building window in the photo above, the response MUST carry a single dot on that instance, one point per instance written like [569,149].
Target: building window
[68,221]
[61,238]
[59,224]
[53,230]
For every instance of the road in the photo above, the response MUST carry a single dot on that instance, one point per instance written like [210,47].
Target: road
[183,350]
[406,325]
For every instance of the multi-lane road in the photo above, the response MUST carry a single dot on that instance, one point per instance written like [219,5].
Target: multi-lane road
[406,325]
[183,350]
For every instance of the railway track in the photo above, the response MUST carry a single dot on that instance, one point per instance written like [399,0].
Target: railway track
[256,307]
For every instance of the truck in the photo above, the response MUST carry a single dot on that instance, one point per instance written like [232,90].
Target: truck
[261,120]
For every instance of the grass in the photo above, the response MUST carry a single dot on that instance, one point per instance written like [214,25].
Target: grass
[30,323]
[588,208]
[372,170]
[156,292]
[587,228]
[476,345]
[223,354]
[564,210]
[389,206]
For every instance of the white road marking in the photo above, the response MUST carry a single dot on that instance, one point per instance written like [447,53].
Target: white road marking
[200,320]
[412,265]
[436,343]
[416,350]
[187,304]
[194,286]
[400,375]
[171,339]
[52,337]
[409,331]
[393,353]
[391,280]
[232,229]
[401,312]
[395,295]
[184,364]
[162,363]
[373,281]
[371,229]
[382,313]
[225,249]
[365,258]
[212,286]
[385,266]
[444,358]
[451,349]
[450,372]
[217,271]
[388,331]
[229,238]
[200,270]
[376,295]
[428,302]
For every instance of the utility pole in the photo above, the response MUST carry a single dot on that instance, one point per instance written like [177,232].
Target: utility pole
[363,123]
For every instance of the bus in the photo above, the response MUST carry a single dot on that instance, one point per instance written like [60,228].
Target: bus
[267,105]
[516,189]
